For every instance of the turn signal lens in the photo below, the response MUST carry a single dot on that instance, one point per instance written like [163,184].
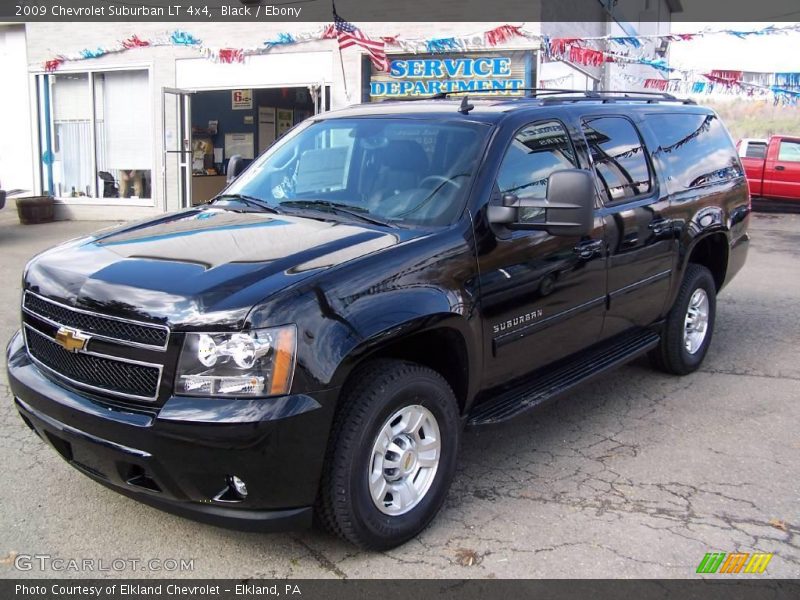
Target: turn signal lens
[283,367]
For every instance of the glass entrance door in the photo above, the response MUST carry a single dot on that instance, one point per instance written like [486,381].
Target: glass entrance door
[177,147]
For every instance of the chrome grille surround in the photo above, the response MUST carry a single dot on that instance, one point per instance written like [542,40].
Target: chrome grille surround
[125,378]
[107,373]
[103,327]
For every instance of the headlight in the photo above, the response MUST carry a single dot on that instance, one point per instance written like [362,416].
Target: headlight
[252,364]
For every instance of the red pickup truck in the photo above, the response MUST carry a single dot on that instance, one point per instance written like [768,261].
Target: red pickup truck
[773,171]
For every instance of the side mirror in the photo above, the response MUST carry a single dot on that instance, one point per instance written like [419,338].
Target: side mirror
[236,164]
[569,207]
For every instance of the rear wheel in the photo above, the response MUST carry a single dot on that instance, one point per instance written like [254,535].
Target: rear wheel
[391,456]
[690,324]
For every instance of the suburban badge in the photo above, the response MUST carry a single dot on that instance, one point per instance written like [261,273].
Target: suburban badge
[516,321]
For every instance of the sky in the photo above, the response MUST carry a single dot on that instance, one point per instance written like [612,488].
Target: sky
[765,53]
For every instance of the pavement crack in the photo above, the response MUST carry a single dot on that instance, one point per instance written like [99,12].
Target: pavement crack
[323,561]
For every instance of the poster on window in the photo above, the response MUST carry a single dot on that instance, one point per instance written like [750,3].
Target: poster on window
[242,99]
[239,143]
[285,120]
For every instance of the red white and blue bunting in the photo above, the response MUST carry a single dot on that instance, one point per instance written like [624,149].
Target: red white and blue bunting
[587,51]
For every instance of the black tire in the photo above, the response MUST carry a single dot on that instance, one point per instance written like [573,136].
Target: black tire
[671,355]
[345,506]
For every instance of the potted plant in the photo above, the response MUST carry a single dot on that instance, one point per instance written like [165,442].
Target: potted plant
[35,209]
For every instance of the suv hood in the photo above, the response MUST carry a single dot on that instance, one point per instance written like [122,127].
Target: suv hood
[201,266]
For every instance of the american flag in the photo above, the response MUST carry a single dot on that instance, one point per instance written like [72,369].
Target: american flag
[349,35]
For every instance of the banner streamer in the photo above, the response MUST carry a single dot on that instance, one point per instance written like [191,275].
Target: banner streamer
[586,51]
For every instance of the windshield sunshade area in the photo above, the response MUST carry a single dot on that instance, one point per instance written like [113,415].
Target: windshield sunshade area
[393,171]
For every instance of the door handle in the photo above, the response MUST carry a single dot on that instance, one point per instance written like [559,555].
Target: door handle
[588,248]
[780,168]
[660,226]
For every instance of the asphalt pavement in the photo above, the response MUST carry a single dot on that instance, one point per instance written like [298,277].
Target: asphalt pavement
[638,474]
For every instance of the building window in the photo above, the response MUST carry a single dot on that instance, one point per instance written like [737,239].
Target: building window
[96,135]
[71,150]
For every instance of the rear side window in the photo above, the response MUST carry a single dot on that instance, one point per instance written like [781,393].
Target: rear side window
[755,150]
[619,157]
[696,149]
[789,151]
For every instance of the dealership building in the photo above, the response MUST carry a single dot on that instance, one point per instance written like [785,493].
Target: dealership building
[131,134]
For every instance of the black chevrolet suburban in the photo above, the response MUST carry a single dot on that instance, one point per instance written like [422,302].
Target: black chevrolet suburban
[310,345]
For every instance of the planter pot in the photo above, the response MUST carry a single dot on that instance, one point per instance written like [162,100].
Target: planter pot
[35,209]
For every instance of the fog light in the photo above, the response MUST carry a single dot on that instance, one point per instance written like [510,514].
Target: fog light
[239,486]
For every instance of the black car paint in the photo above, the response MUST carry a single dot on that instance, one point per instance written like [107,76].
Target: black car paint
[353,289]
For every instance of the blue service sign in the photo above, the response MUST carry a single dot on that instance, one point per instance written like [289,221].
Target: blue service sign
[429,76]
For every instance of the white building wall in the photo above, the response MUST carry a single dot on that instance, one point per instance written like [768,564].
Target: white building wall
[16,168]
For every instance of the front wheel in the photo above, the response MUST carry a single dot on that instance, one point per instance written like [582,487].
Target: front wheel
[392,455]
[690,324]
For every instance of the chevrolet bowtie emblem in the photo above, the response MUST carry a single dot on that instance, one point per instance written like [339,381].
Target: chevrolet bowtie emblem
[70,339]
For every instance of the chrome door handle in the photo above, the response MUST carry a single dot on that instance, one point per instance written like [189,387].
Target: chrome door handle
[660,226]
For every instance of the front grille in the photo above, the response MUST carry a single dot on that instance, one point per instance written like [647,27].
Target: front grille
[122,331]
[93,371]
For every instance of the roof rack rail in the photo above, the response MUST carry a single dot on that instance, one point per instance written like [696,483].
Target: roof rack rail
[553,95]
[619,96]
[536,92]
[494,94]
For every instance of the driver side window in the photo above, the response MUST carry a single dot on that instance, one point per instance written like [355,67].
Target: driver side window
[536,151]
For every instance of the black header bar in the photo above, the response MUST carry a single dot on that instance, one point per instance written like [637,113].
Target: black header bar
[361,11]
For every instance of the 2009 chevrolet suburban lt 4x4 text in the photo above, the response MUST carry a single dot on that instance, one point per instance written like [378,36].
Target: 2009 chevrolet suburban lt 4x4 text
[313,341]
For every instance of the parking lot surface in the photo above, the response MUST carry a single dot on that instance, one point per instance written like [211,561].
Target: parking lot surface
[638,474]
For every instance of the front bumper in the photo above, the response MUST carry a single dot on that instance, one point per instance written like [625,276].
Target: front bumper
[180,458]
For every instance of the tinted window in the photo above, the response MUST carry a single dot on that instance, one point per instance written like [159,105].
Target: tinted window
[618,156]
[755,150]
[695,148]
[789,151]
[536,151]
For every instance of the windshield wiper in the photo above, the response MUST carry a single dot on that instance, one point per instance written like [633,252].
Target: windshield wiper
[249,201]
[345,209]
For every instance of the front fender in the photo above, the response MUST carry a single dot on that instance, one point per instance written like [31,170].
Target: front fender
[336,333]
[347,313]
[334,340]
[400,331]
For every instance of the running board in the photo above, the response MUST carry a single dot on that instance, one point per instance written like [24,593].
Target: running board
[550,382]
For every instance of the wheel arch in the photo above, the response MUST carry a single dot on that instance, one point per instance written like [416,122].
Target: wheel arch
[439,342]
[710,250]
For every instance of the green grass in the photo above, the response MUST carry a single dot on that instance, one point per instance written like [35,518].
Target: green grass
[755,118]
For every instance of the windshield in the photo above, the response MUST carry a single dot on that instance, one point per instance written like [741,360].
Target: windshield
[396,171]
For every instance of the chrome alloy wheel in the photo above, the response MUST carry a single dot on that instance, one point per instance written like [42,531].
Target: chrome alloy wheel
[404,460]
[695,324]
